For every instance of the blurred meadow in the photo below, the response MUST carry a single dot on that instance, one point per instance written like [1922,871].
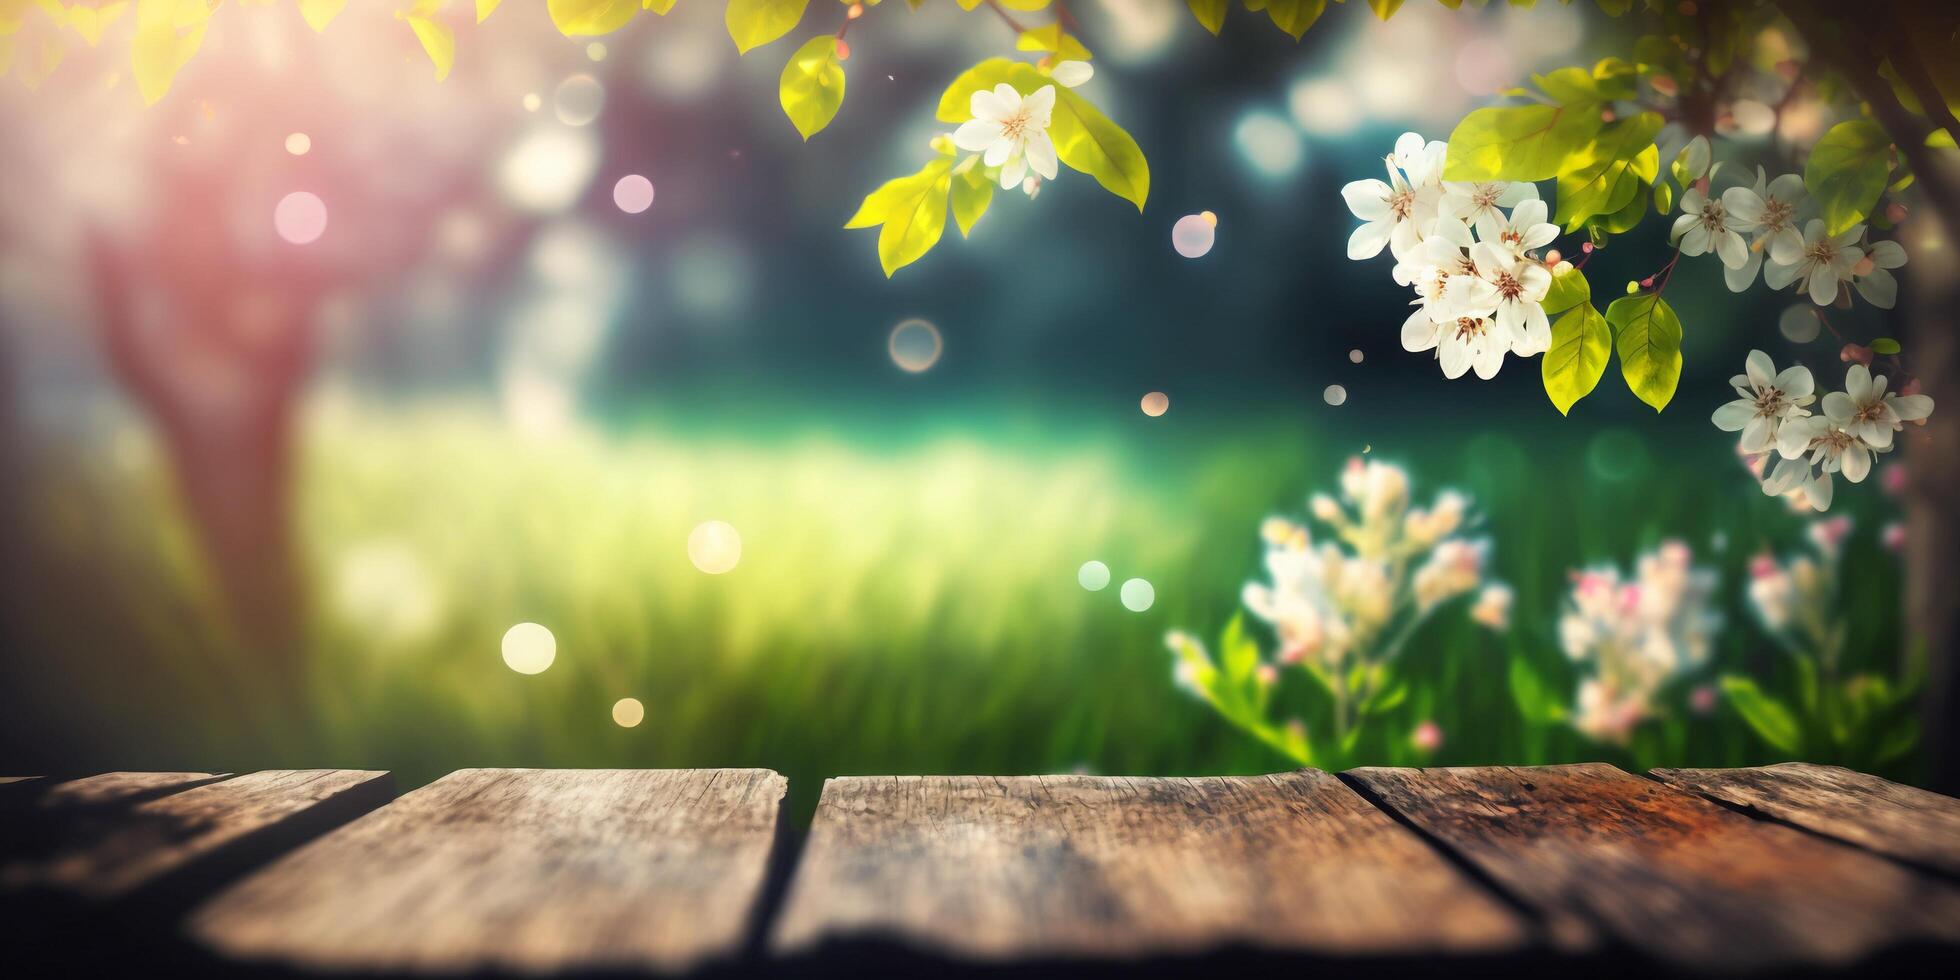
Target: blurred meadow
[906,598]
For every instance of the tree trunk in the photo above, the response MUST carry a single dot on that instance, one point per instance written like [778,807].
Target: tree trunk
[1933,469]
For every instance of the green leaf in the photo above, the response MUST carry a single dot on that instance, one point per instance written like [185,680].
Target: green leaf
[955,104]
[1085,139]
[754,23]
[1611,171]
[1663,197]
[1210,13]
[1088,141]
[1295,16]
[1237,654]
[1648,336]
[1615,8]
[1051,37]
[583,18]
[972,192]
[1625,218]
[1385,8]
[812,86]
[1581,346]
[1768,716]
[1847,171]
[1534,698]
[1527,142]
[1885,345]
[1569,289]
[912,210]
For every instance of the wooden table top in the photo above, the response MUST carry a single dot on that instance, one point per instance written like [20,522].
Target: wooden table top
[1788,868]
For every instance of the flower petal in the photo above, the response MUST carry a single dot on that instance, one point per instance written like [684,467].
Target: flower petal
[1041,153]
[1732,416]
[1368,199]
[1368,240]
[976,135]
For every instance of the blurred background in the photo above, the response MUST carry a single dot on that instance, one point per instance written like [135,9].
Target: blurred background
[462,385]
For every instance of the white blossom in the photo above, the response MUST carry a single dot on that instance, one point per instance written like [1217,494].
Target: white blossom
[1876,282]
[1769,211]
[1482,204]
[1011,132]
[1865,410]
[1768,398]
[1818,264]
[1704,227]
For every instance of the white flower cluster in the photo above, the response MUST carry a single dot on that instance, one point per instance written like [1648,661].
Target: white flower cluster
[1480,286]
[1337,600]
[1769,213]
[1773,413]
[1636,635]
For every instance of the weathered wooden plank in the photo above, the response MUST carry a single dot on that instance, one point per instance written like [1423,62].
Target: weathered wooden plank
[105,837]
[1028,868]
[1902,821]
[519,870]
[15,779]
[1667,872]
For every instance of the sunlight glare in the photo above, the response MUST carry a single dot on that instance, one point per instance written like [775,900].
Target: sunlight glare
[300,218]
[714,547]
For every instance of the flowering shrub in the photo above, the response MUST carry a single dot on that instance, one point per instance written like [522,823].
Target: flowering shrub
[1862,719]
[1341,611]
[1632,639]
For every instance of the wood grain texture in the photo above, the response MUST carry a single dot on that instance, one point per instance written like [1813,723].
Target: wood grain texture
[1667,872]
[107,836]
[521,870]
[1902,821]
[1065,866]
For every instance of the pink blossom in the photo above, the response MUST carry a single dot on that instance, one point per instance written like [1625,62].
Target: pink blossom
[1428,736]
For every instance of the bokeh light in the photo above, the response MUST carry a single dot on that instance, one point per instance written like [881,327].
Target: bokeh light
[1355,356]
[547,169]
[1192,236]
[628,712]
[915,345]
[578,100]
[633,193]
[1156,403]
[596,51]
[298,143]
[1138,595]
[1322,106]
[714,547]
[1799,324]
[529,648]
[533,102]
[1093,575]
[1335,395]
[300,217]
[1270,143]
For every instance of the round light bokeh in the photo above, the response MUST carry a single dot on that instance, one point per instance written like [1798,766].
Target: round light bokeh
[628,712]
[915,345]
[298,143]
[1270,143]
[1138,595]
[300,217]
[633,193]
[1798,324]
[1354,356]
[1335,395]
[1156,403]
[1193,235]
[529,648]
[714,547]
[1093,575]
[578,100]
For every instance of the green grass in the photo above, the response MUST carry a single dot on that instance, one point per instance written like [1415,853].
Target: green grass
[905,602]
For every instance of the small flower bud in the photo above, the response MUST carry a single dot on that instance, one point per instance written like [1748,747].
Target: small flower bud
[1864,267]
[1647,283]
[843,50]
[1552,257]
[1856,352]
[1895,212]
[1586,247]
[856,10]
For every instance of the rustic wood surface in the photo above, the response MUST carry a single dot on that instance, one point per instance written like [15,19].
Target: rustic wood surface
[101,849]
[113,788]
[1065,866]
[1884,816]
[519,870]
[4,780]
[1667,872]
